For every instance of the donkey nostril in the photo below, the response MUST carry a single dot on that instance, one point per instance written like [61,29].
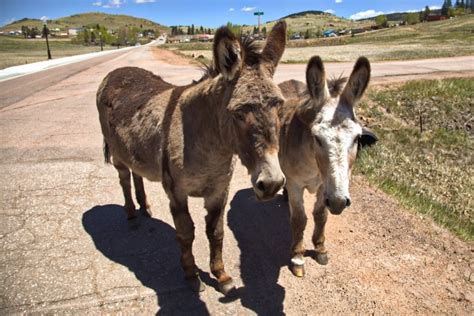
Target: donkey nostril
[348,202]
[260,185]
[326,202]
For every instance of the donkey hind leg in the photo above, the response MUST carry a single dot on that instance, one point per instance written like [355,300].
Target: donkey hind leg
[298,224]
[320,214]
[124,175]
[185,236]
[215,206]
[140,195]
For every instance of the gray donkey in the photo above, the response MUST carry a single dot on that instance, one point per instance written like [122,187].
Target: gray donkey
[186,137]
[319,140]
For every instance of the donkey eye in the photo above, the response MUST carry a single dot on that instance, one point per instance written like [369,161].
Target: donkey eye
[276,103]
[239,116]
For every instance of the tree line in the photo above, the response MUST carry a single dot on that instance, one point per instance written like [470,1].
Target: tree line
[189,30]
[124,36]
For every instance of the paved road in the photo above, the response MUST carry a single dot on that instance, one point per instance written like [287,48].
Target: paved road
[65,245]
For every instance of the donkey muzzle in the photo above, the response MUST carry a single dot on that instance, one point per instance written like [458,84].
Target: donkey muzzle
[337,204]
[269,178]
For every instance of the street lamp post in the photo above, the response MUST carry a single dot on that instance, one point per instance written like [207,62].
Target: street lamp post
[45,34]
[100,39]
[258,14]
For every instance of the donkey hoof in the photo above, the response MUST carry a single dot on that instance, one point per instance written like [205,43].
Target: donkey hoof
[227,288]
[297,270]
[322,258]
[195,284]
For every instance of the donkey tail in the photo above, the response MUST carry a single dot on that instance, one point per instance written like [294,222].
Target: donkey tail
[106,153]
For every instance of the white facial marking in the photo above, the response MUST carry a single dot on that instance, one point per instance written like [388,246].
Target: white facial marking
[337,131]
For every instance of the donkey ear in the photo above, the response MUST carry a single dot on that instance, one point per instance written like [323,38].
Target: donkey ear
[316,80]
[227,53]
[275,46]
[358,81]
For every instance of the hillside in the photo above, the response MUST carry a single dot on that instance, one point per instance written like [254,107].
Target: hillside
[317,20]
[111,22]
[397,16]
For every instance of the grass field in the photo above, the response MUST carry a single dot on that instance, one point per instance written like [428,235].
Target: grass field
[17,51]
[428,170]
[448,38]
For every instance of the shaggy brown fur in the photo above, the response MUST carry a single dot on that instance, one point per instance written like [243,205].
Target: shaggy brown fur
[186,136]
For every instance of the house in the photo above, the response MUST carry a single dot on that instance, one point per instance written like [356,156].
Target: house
[357,31]
[203,38]
[74,31]
[329,33]
[435,17]
[343,32]
[180,39]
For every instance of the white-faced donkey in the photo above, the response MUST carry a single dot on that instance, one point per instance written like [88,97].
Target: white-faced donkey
[319,140]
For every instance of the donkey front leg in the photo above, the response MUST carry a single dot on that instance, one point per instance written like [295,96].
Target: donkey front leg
[215,206]
[320,214]
[298,223]
[185,236]
[124,175]
[140,195]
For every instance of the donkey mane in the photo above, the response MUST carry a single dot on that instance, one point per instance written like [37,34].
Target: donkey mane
[251,53]
[335,85]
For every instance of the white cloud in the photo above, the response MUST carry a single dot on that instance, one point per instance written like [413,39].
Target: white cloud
[44,18]
[338,1]
[231,9]
[144,1]
[113,4]
[365,14]
[248,9]
[330,11]
[97,4]
[434,7]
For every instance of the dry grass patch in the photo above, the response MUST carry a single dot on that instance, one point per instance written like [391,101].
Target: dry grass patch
[425,153]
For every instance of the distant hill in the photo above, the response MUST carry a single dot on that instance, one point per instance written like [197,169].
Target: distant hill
[303,13]
[317,20]
[111,22]
[398,16]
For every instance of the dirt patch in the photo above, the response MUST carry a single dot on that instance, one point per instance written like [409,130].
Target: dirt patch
[170,57]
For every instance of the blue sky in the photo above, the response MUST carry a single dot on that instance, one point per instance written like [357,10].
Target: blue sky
[203,12]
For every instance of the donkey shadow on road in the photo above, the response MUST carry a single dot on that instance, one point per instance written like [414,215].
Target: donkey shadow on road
[149,250]
[263,233]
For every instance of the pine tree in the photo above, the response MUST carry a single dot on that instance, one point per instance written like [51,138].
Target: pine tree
[426,13]
[445,8]
[458,4]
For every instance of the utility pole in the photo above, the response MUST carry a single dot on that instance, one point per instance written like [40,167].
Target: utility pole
[100,39]
[45,34]
[258,14]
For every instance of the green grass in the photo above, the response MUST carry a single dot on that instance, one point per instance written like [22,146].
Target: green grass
[429,171]
[17,51]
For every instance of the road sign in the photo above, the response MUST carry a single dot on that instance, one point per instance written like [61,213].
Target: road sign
[258,14]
